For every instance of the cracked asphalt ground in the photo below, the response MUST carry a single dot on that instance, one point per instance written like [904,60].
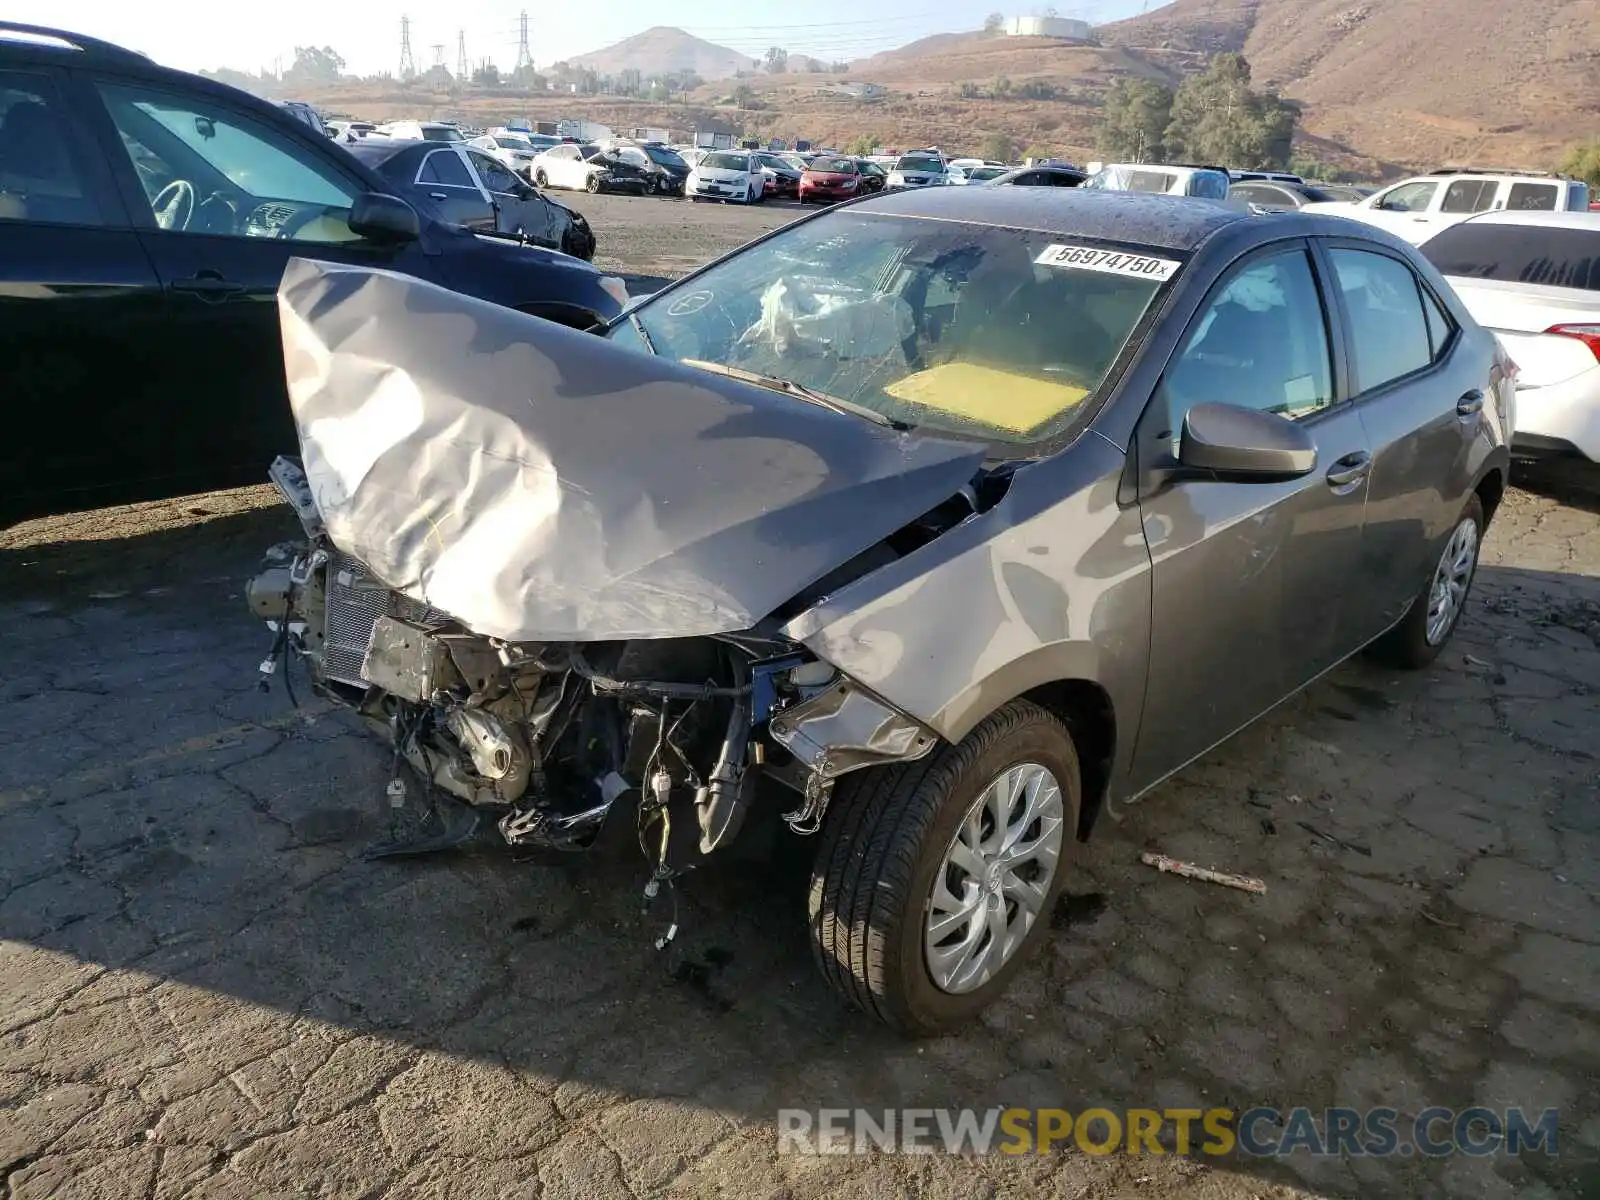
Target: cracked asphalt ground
[205,991]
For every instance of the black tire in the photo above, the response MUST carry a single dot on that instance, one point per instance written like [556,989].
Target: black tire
[540,179]
[1406,646]
[592,185]
[886,833]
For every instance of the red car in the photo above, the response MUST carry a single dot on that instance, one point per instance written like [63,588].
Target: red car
[829,179]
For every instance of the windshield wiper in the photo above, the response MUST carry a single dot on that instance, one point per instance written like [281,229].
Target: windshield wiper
[801,392]
[638,327]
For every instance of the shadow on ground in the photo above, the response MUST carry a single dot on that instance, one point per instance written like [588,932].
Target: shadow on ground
[194,947]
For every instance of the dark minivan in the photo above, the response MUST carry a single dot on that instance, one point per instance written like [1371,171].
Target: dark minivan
[146,216]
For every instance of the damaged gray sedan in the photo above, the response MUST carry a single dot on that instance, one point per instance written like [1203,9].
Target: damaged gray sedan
[939,525]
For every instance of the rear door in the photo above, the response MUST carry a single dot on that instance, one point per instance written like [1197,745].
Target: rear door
[88,360]
[1531,195]
[1249,580]
[1420,392]
[222,198]
[444,177]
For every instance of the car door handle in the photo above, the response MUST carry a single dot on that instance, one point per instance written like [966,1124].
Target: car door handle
[1352,468]
[208,285]
[1470,405]
[437,196]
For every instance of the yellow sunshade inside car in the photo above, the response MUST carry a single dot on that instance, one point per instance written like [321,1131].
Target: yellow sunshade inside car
[988,395]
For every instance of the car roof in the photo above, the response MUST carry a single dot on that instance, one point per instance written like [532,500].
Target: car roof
[1579,219]
[1166,222]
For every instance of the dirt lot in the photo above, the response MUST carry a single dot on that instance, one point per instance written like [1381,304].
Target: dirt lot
[205,991]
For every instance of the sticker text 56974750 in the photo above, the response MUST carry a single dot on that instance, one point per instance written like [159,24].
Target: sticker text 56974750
[1109,262]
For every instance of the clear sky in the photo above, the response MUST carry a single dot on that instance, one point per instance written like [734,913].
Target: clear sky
[195,36]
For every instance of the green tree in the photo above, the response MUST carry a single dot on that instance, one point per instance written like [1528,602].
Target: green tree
[314,66]
[994,23]
[1002,87]
[776,60]
[1038,151]
[997,147]
[744,95]
[860,147]
[1137,113]
[1583,162]
[1217,117]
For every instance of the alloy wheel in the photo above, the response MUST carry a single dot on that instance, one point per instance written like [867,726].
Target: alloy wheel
[1451,579]
[996,873]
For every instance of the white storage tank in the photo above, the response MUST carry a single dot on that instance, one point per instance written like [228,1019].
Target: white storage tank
[1056,27]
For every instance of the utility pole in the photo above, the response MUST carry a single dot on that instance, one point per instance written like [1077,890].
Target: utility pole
[461,56]
[524,57]
[408,65]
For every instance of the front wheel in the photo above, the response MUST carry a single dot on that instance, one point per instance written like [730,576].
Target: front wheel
[1427,626]
[592,185]
[935,879]
[540,179]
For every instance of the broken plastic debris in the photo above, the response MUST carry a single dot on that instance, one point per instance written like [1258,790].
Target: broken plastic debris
[1174,866]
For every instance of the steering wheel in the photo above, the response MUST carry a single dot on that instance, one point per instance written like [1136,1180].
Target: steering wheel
[174,205]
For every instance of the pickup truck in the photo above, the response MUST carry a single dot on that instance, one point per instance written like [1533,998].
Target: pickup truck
[1417,208]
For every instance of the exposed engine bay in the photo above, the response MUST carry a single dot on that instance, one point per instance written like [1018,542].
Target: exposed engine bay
[548,739]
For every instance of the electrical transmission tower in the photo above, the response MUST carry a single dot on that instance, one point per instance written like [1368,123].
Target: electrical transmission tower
[408,65]
[461,55]
[438,54]
[524,57]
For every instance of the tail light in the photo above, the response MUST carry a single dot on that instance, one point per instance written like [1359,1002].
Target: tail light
[1589,335]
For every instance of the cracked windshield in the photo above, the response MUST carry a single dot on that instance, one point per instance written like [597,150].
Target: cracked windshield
[933,324]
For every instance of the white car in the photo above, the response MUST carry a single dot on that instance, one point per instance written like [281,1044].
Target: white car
[1533,278]
[514,150]
[1416,209]
[1204,183]
[727,175]
[917,170]
[421,131]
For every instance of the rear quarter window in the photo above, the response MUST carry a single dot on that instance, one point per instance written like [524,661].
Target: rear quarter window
[1550,256]
[1532,197]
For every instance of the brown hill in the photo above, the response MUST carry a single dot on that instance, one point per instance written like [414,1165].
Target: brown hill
[664,50]
[1509,82]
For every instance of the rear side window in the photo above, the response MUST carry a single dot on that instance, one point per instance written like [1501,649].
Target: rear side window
[1548,255]
[1387,322]
[1469,196]
[38,179]
[1532,197]
[443,167]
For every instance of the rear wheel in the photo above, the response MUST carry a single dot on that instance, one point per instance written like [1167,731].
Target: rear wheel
[592,185]
[540,179]
[935,879]
[1428,625]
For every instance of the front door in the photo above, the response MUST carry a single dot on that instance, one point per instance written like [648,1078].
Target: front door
[521,209]
[83,337]
[1247,578]
[445,178]
[224,200]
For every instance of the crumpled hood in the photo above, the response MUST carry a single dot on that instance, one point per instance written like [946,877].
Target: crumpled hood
[542,484]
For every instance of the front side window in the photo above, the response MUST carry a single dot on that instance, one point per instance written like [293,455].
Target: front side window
[942,325]
[1543,254]
[1261,341]
[496,176]
[38,179]
[1387,324]
[445,168]
[205,168]
[1408,197]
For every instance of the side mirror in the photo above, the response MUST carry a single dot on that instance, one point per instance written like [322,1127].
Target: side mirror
[1245,444]
[383,218]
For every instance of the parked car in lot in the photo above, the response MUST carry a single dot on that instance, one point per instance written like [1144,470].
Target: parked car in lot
[1278,197]
[782,177]
[422,131]
[146,216]
[301,111]
[1041,176]
[1205,183]
[831,179]
[468,187]
[1534,279]
[873,177]
[984,510]
[589,168]
[665,171]
[1352,192]
[727,175]
[1418,208]
[916,171]
[514,150]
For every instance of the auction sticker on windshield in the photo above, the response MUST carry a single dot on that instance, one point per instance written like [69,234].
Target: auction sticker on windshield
[1109,262]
